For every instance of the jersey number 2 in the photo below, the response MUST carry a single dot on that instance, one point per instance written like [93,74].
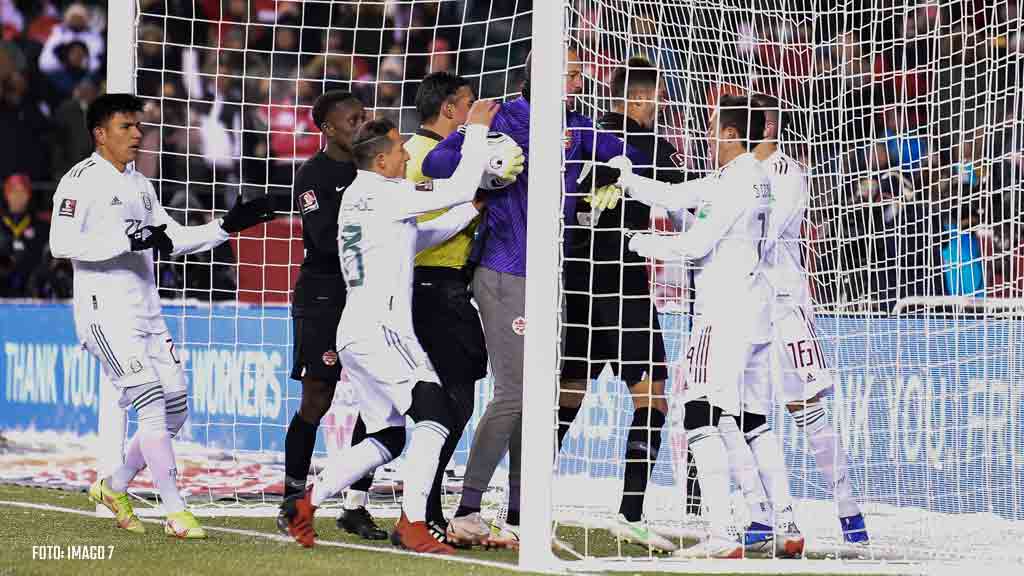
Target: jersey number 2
[352,254]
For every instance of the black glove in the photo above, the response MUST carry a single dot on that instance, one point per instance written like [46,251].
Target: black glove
[152,237]
[245,214]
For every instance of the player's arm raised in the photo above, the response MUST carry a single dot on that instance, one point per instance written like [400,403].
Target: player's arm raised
[76,230]
[461,187]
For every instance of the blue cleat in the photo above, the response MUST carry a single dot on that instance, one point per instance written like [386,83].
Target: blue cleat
[758,537]
[854,530]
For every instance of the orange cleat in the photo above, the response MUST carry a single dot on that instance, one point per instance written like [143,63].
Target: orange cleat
[416,536]
[300,519]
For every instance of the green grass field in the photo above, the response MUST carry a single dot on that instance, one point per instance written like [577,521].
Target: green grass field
[237,545]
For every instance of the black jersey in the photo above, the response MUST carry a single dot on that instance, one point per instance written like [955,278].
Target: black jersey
[609,246]
[319,186]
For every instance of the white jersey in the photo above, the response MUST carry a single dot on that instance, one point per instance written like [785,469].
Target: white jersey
[95,208]
[784,264]
[378,238]
[727,244]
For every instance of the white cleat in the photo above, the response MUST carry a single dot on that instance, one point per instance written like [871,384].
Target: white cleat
[469,530]
[639,533]
[712,547]
[503,535]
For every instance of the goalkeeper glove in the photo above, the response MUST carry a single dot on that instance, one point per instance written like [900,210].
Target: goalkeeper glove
[505,158]
[246,214]
[153,237]
[604,198]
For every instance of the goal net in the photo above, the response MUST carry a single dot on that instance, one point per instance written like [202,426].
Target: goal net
[906,117]
[229,87]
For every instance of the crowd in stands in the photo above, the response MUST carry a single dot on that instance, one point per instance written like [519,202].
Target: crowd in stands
[910,120]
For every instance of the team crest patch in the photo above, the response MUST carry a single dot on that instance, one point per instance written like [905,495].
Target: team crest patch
[330,358]
[567,141]
[678,159]
[308,202]
[67,207]
[519,326]
[135,366]
[425,186]
[147,202]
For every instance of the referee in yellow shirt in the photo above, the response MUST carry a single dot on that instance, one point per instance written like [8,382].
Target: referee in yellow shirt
[446,322]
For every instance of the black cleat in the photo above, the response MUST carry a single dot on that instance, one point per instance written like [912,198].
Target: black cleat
[359,522]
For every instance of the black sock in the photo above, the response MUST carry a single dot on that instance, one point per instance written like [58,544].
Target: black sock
[470,501]
[566,415]
[358,435]
[512,517]
[692,486]
[298,451]
[642,445]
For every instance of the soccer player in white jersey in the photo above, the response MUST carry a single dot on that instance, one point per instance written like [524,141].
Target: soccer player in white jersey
[729,340]
[108,221]
[805,374]
[379,237]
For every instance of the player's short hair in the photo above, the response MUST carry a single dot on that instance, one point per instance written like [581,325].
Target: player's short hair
[772,113]
[434,91]
[638,72]
[103,108]
[327,101]
[738,113]
[371,139]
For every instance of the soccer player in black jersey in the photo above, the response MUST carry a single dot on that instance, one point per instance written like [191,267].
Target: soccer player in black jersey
[318,302]
[609,313]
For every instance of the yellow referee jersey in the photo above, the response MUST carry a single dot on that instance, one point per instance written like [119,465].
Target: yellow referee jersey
[454,252]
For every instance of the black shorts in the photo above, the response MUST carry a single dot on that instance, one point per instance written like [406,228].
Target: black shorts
[609,317]
[448,328]
[316,311]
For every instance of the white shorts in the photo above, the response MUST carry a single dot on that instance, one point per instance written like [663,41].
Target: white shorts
[803,368]
[383,368]
[721,364]
[132,357]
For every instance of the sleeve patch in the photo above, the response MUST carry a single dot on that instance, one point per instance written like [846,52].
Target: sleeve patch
[67,207]
[308,202]
[679,159]
[425,186]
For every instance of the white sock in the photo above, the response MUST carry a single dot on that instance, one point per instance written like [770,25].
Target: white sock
[680,466]
[830,456]
[744,469]
[134,462]
[420,465]
[774,476]
[159,455]
[712,462]
[355,499]
[347,466]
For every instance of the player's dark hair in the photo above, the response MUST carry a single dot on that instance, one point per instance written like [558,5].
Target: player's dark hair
[371,139]
[327,101]
[638,71]
[772,113]
[103,108]
[434,91]
[736,112]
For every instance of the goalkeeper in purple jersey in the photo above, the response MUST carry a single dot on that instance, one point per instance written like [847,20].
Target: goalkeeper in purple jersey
[499,284]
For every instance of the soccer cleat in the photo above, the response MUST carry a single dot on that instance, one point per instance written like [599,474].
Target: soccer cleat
[503,535]
[854,530]
[639,533]
[119,504]
[758,538]
[789,542]
[358,521]
[416,536]
[184,525]
[468,530]
[439,530]
[299,512]
[712,547]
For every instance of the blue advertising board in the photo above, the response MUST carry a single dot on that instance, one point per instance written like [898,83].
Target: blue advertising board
[929,409]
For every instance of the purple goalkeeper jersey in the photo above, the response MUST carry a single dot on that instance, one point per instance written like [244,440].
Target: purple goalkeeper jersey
[505,217]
